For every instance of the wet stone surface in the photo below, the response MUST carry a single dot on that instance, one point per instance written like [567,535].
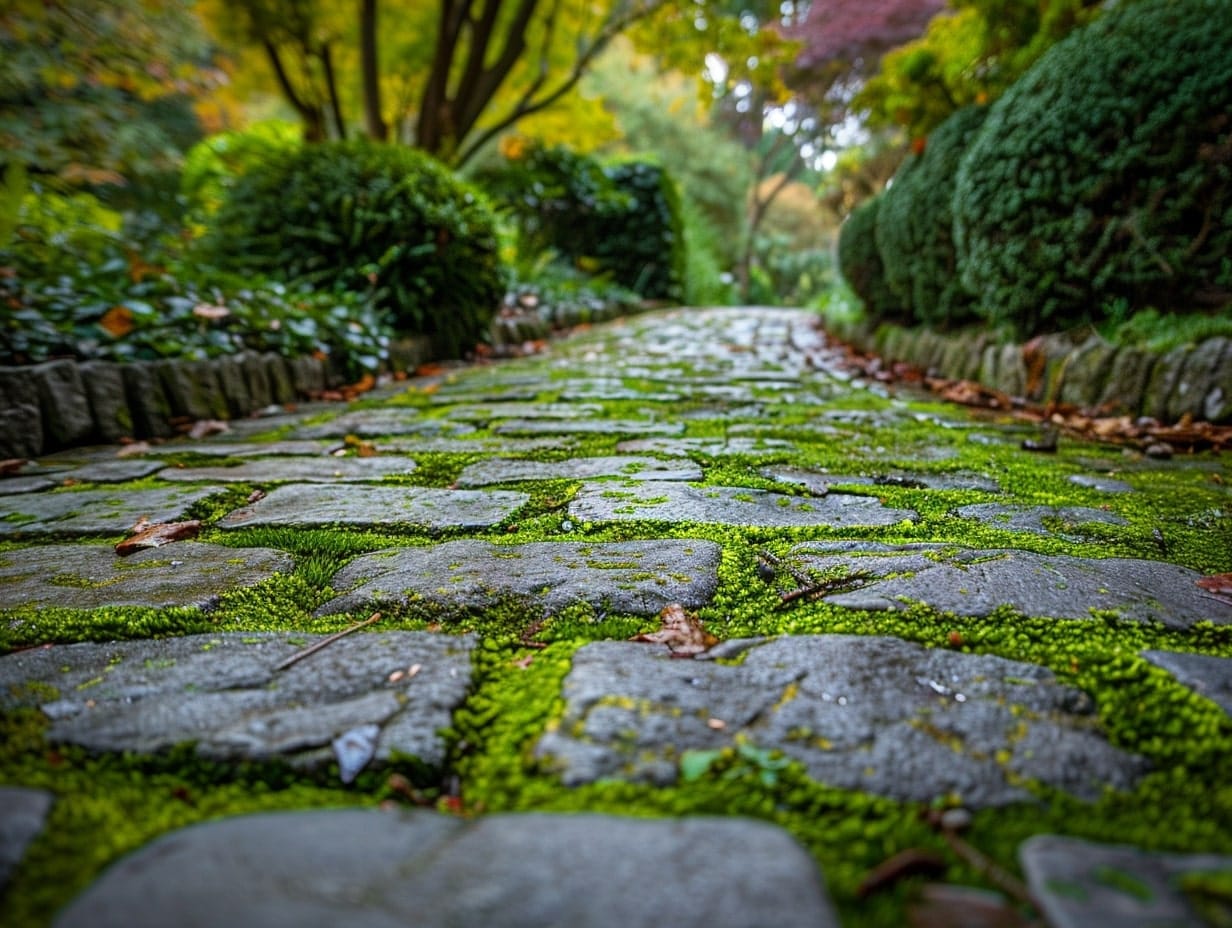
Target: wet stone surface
[727,505]
[1205,675]
[110,512]
[1080,883]
[23,813]
[1066,521]
[638,577]
[875,714]
[503,470]
[371,423]
[975,582]
[821,484]
[376,869]
[367,507]
[188,573]
[321,469]
[587,427]
[224,693]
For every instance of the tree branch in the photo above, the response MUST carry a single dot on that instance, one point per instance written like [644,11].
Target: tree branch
[370,72]
[314,129]
[331,86]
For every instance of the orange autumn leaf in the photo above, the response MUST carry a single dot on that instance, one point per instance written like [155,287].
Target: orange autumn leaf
[681,631]
[1218,585]
[157,535]
[117,321]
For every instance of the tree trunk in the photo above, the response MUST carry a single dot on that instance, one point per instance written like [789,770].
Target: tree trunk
[373,122]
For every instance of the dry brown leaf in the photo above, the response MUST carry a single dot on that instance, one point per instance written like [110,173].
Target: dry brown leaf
[11,466]
[1218,585]
[942,906]
[203,428]
[681,631]
[133,449]
[155,536]
[117,321]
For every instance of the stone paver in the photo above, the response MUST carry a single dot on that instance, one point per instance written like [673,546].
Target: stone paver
[23,813]
[503,470]
[875,714]
[661,500]
[94,511]
[374,869]
[1080,883]
[975,582]
[640,577]
[1208,676]
[225,693]
[368,507]
[314,470]
[87,576]
[722,462]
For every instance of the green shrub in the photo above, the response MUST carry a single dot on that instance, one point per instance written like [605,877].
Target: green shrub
[1105,172]
[623,219]
[915,226]
[213,165]
[368,217]
[860,263]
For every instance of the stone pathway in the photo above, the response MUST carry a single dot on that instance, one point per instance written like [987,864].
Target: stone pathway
[876,612]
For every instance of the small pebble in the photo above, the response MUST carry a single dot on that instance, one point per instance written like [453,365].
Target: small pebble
[956,819]
[1160,450]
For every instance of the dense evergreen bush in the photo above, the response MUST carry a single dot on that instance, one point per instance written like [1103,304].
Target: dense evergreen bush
[212,166]
[860,263]
[367,217]
[621,219]
[915,226]
[1105,172]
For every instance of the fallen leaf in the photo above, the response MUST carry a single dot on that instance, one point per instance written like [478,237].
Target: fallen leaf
[203,428]
[1218,585]
[117,321]
[156,536]
[942,906]
[522,663]
[210,312]
[133,449]
[681,631]
[11,466]
[256,496]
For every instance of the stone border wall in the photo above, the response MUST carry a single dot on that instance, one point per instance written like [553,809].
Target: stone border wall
[1193,380]
[63,404]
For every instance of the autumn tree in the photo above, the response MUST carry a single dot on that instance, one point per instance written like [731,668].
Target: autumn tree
[98,91]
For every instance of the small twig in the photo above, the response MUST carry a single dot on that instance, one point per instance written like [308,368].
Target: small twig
[314,648]
[1001,878]
[820,588]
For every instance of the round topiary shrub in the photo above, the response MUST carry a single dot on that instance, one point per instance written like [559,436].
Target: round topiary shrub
[1105,172]
[915,226]
[860,263]
[370,217]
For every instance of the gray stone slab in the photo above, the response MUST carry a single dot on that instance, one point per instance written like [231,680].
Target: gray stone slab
[1208,676]
[866,713]
[587,427]
[27,484]
[1080,884]
[674,502]
[371,423]
[239,449]
[822,483]
[504,470]
[484,445]
[186,573]
[369,868]
[23,813]
[319,469]
[489,412]
[630,576]
[370,506]
[21,421]
[103,382]
[93,511]
[147,400]
[118,470]
[1102,484]
[614,389]
[975,582]
[223,692]
[66,408]
[1068,521]
[708,446]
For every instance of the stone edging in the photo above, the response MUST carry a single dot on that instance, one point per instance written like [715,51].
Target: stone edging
[1193,380]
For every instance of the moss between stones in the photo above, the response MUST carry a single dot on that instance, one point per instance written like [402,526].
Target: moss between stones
[109,805]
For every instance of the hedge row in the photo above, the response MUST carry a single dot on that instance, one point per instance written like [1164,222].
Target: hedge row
[1100,182]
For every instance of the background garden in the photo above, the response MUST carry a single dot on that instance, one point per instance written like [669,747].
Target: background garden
[192,178]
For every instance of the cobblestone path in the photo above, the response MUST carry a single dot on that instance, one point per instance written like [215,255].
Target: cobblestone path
[678,624]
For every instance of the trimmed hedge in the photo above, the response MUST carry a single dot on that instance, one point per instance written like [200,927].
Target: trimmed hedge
[915,226]
[370,217]
[860,263]
[1105,173]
